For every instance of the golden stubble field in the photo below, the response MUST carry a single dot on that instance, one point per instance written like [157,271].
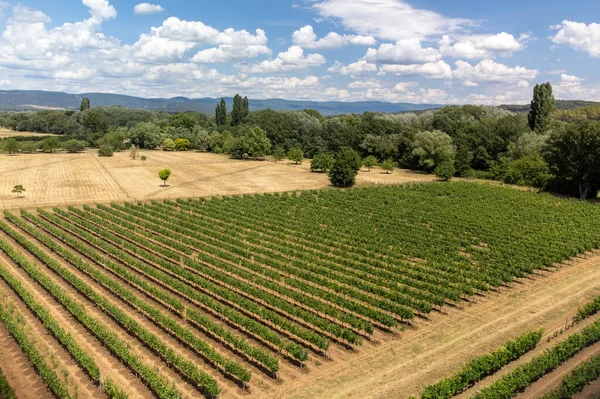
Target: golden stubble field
[6,133]
[71,179]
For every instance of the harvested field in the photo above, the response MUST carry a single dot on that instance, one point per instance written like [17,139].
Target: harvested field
[6,133]
[70,179]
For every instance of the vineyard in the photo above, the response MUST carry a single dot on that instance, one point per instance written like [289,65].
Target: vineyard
[237,296]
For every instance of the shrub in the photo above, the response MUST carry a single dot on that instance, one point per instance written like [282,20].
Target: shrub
[73,146]
[105,150]
[181,144]
[445,171]
[168,145]
[346,166]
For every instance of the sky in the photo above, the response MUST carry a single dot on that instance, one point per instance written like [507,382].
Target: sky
[416,51]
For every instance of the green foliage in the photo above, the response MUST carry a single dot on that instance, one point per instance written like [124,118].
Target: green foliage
[445,171]
[50,144]
[11,145]
[296,155]
[240,110]
[433,149]
[388,165]
[146,136]
[530,171]
[278,153]
[481,367]
[345,168]
[542,107]
[18,189]
[369,162]
[255,143]
[588,309]
[573,154]
[73,146]
[182,144]
[105,150]
[576,380]
[322,163]
[221,113]
[29,146]
[522,377]
[164,175]
[85,104]
[168,145]
[6,392]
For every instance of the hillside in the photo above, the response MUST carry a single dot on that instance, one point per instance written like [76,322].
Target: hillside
[564,105]
[11,100]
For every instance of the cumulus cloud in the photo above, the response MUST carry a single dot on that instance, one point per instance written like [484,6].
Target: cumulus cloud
[228,53]
[579,36]
[291,60]
[489,71]
[431,70]
[354,69]
[404,52]
[100,9]
[388,19]
[147,8]
[307,38]
[482,46]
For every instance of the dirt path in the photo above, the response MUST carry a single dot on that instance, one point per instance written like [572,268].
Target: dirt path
[592,391]
[401,367]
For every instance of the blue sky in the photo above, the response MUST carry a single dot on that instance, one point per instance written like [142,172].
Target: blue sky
[415,51]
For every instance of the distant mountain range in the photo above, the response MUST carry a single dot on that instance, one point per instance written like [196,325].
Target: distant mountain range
[19,100]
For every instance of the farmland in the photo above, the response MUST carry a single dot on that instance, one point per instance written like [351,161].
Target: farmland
[259,294]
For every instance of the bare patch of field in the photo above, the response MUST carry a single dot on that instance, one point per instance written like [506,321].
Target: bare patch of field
[65,179]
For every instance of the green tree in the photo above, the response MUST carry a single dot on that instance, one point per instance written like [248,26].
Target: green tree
[542,107]
[573,154]
[164,176]
[246,108]
[105,150]
[369,162]
[322,162]
[168,145]
[255,143]
[445,171]
[221,113]
[73,146]
[278,153]
[85,104]
[530,171]
[346,166]
[50,144]
[388,165]
[182,144]
[146,135]
[18,189]
[433,149]
[296,154]
[114,139]
[238,112]
[29,146]
[11,146]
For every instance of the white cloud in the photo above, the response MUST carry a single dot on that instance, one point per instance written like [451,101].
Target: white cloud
[228,52]
[364,84]
[354,69]
[482,46]
[291,60]
[147,8]
[404,86]
[100,9]
[570,78]
[579,36]
[492,72]
[307,38]
[523,84]
[404,52]
[389,19]
[572,88]
[197,32]
[432,70]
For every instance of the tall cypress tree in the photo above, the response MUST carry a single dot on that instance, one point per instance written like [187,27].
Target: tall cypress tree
[246,107]
[542,107]
[237,114]
[221,113]
[85,104]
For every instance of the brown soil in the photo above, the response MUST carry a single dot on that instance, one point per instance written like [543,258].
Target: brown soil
[592,391]
[5,133]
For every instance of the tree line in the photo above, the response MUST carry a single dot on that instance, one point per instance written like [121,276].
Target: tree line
[546,148]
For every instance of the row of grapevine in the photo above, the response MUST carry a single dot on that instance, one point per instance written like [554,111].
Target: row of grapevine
[520,378]
[52,381]
[481,367]
[6,391]
[231,314]
[156,383]
[588,309]
[576,380]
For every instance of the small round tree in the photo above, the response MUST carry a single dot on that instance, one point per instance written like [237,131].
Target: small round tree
[164,176]
[105,150]
[369,162]
[168,145]
[278,153]
[11,146]
[445,171]
[18,189]
[322,163]
[296,155]
[346,166]
[388,165]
